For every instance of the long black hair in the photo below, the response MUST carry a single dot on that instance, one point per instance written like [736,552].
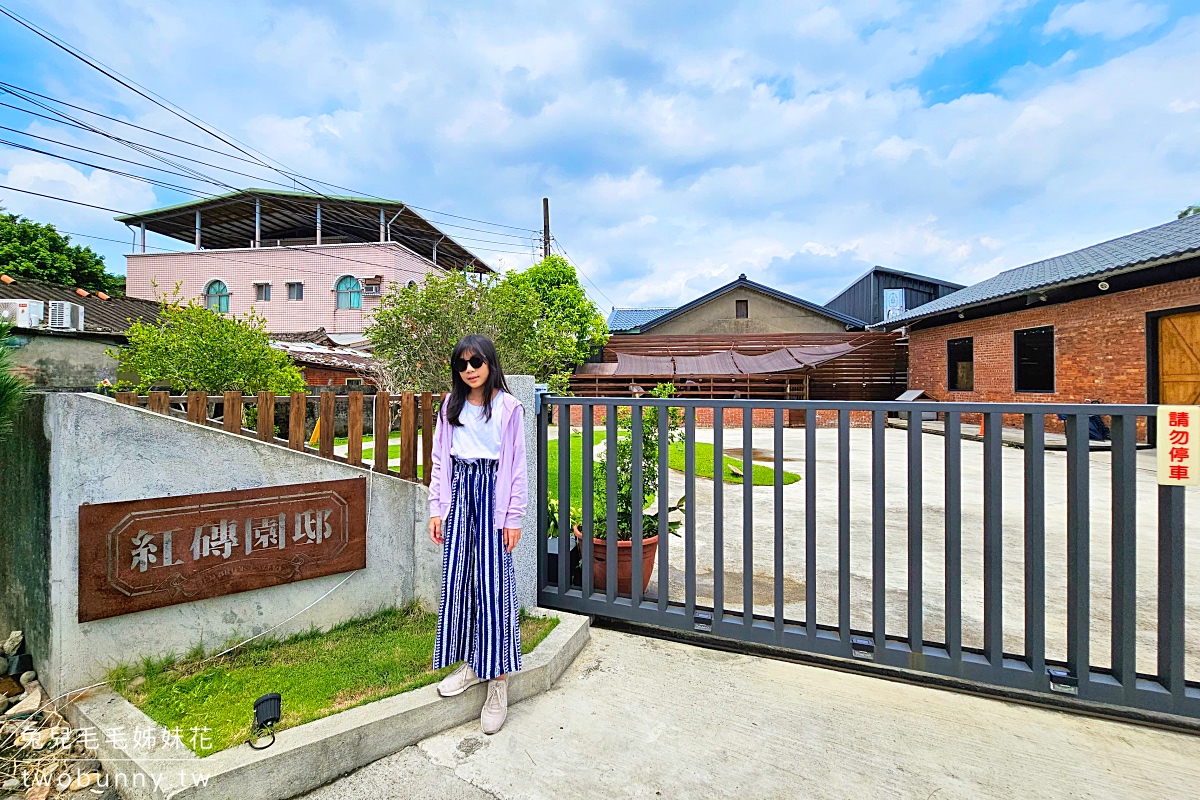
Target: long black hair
[478,345]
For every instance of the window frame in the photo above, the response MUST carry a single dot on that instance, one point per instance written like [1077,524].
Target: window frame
[740,306]
[1017,361]
[222,298]
[262,292]
[951,373]
[353,295]
[299,291]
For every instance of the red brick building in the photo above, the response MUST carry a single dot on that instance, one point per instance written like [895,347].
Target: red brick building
[1118,322]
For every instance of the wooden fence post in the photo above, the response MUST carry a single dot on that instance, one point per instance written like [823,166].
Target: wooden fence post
[126,398]
[354,430]
[233,412]
[325,442]
[266,416]
[426,436]
[408,436]
[159,402]
[299,404]
[197,407]
[383,430]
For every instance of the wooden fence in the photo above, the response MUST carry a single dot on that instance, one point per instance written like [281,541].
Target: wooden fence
[410,413]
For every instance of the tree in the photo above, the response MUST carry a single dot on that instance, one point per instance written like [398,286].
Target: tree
[194,348]
[12,388]
[540,319]
[415,328]
[1189,211]
[31,249]
[565,306]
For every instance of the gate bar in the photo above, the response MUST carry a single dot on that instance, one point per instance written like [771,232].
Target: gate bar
[843,446]
[718,416]
[915,543]
[953,483]
[1035,543]
[747,516]
[878,532]
[1078,549]
[1124,552]
[993,542]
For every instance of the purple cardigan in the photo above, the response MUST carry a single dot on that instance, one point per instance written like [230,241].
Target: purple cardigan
[511,482]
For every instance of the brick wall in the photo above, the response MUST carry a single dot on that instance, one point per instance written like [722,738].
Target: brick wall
[323,376]
[1099,349]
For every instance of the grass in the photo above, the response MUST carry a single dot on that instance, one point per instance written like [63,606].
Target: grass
[317,674]
[368,455]
[762,476]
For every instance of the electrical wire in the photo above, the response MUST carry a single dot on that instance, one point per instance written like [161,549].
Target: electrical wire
[579,269]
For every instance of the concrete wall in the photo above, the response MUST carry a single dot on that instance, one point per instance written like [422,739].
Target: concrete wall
[25,528]
[100,451]
[63,361]
[766,315]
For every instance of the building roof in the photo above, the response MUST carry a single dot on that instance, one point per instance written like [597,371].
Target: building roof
[101,313]
[910,275]
[343,358]
[627,319]
[743,282]
[1163,244]
[227,222]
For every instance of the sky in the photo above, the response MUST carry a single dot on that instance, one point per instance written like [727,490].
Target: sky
[680,144]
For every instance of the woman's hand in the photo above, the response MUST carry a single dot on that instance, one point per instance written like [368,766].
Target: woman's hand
[435,530]
[511,537]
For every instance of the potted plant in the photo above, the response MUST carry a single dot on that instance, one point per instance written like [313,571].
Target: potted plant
[575,566]
[622,526]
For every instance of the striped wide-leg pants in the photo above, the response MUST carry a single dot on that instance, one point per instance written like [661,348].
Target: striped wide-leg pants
[478,619]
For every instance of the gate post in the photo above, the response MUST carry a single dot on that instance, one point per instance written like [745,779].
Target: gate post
[526,553]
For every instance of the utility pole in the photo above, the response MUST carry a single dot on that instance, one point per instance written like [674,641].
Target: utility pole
[545,227]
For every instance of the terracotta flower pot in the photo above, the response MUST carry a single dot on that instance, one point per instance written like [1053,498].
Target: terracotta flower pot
[624,563]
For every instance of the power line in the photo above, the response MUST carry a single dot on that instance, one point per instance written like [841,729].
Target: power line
[580,270]
[66,119]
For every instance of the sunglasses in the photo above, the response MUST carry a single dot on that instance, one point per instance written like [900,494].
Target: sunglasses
[476,361]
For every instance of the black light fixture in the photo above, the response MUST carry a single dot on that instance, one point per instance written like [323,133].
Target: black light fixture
[267,710]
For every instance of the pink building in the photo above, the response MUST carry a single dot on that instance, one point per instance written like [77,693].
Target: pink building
[302,261]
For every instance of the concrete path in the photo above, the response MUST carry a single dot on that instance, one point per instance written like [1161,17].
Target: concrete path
[933,512]
[639,717]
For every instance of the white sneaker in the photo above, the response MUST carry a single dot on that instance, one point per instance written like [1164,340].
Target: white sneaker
[495,708]
[458,681]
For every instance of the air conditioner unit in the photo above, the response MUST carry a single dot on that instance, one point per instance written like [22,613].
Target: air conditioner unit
[66,316]
[22,313]
[370,288]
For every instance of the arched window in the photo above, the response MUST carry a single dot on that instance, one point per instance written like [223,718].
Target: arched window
[349,292]
[216,296]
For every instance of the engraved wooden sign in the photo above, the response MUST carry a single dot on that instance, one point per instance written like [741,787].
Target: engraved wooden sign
[143,554]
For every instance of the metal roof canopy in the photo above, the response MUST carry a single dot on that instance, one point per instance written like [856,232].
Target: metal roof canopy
[228,222]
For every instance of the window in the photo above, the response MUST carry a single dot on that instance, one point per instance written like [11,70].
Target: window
[1033,350]
[216,296]
[742,309]
[354,381]
[262,292]
[349,292]
[960,360]
[295,291]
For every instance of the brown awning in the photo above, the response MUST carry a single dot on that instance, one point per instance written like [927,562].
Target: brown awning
[777,361]
[711,364]
[643,365]
[819,354]
[596,368]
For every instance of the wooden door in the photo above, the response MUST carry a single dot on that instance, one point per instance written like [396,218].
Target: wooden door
[1179,359]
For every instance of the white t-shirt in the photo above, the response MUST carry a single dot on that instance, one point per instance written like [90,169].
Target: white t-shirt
[477,437]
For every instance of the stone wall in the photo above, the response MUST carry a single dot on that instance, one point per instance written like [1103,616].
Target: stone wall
[63,360]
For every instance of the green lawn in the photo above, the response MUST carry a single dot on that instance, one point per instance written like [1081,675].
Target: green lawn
[317,674]
[368,455]
[763,476]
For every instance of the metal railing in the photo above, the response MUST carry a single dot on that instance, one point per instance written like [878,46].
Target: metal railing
[888,624]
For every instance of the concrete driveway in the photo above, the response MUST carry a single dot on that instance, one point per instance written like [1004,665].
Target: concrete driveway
[934,551]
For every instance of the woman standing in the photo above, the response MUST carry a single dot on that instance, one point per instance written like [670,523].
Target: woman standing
[477,497]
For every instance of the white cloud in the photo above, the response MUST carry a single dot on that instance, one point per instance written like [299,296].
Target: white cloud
[787,142]
[1112,19]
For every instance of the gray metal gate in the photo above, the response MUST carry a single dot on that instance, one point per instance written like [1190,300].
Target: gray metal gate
[1077,677]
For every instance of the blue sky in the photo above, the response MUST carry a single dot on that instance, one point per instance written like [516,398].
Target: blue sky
[681,144]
